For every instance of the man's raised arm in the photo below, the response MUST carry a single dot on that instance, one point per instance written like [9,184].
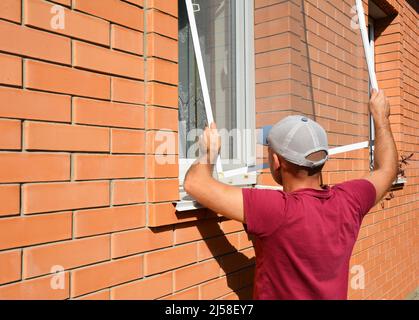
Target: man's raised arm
[385,152]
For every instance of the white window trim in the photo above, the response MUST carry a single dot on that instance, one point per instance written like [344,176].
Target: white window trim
[245,79]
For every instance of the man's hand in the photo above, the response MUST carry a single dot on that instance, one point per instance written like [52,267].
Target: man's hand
[200,184]
[209,144]
[379,106]
[385,152]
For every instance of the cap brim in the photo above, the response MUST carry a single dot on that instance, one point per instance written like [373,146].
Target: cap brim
[262,137]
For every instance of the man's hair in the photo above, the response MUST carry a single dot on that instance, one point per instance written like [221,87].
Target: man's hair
[307,170]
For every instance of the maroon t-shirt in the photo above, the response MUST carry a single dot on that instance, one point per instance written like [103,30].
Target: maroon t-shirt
[304,239]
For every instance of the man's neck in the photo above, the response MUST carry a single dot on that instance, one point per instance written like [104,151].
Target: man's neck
[293,184]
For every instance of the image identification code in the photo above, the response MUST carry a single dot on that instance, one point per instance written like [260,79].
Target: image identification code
[213,310]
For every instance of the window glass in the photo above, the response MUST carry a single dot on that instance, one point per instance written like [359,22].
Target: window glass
[217,27]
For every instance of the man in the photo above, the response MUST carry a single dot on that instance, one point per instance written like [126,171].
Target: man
[304,235]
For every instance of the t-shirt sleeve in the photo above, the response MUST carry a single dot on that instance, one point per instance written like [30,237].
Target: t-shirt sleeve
[263,210]
[363,193]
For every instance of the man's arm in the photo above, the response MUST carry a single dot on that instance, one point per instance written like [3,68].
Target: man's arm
[212,194]
[385,152]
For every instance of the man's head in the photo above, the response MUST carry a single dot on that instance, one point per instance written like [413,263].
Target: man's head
[298,148]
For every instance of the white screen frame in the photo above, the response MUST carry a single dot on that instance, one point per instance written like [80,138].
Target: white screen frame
[245,79]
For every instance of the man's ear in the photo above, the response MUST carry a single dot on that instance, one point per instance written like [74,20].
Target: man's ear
[275,161]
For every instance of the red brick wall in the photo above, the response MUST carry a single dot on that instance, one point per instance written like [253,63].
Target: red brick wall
[81,184]
[388,242]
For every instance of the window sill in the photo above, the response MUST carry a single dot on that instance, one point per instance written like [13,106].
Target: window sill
[187,203]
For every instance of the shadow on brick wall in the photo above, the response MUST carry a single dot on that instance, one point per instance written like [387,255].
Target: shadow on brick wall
[239,268]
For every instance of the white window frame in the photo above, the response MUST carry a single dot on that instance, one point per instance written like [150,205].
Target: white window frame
[371,32]
[245,98]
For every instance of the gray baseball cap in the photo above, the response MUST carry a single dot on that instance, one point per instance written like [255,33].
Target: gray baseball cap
[295,138]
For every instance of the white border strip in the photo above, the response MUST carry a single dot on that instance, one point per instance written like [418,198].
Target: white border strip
[201,71]
[334,151]
[366,43]
[349,147]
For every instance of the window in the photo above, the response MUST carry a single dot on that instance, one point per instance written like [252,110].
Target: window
[226,66]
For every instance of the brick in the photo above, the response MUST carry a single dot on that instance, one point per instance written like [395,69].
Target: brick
[162,24]
[76,24]
[49,77]
[197,273]
[103,113]
[163,143]
[229,226]
[169,7]
[89,167]
[192,231]
[162,260]
[10,262]
[217,246]
[33,43]
[26,104]
[29,167]
[162,47]
[265,3]
[127,40]
[9,200]
[128,191]
[162,214]
[130,91]
[145,289]
[10,70]
[223,286]
[69,254]
[142,240]
[63,2]
[98,221]
[162,71]
[245,240]
[24,231]
[10,134]
[162,190]
[37,289]
[273,58]
[162,166]
[113,10]
[159,94]
[63,137]
[215,289]
[237,260]
[136,2]
[44,197]
[101,295]
[128,141]
[162,118]
[100,59]
[190,294]
[273,27]
[10,10]
[105,275]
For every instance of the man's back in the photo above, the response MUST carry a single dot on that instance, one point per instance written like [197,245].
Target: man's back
[304,239]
